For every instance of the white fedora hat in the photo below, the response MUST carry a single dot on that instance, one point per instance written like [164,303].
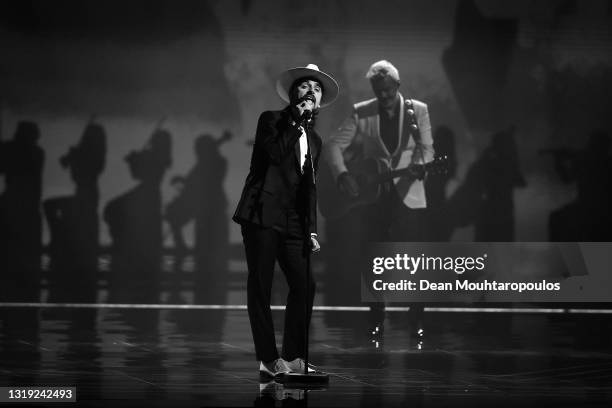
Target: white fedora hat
[287,78]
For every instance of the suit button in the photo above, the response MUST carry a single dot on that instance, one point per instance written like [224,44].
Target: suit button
[408,103]
[414,126]
[410,112]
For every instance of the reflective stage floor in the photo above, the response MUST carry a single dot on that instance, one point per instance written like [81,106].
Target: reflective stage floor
[200,357]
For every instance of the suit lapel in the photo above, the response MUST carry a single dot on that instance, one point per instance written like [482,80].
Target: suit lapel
[400,127]
[296,148]
[312,144]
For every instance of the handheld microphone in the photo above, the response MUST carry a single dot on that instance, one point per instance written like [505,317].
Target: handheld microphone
[307,115]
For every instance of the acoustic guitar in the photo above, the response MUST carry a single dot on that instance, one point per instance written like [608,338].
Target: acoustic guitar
[370,175]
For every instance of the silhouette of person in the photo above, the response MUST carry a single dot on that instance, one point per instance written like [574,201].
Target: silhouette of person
[588,217]
[202,198]
[21,162]
[486,199]
[501,176]
[134,218]
[177,216]
[73,220]
[439,225]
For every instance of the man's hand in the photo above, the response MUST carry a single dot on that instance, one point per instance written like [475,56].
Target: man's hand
[348,185]
[305,105]
[417,171]
[315,246]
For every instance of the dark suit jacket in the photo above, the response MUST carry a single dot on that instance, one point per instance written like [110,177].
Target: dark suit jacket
[275,178]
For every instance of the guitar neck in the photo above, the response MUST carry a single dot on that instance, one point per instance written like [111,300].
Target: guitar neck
[390,175]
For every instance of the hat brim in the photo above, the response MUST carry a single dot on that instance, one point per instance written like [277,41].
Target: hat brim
[287,78]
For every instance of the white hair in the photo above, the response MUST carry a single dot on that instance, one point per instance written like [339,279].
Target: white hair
[381,69]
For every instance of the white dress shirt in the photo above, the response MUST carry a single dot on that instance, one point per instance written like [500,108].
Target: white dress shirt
[303,149]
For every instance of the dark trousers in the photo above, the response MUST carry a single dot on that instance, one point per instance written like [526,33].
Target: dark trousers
[389,220]
[288,246]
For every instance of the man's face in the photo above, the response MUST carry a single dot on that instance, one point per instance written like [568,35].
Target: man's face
[385,89]
[310,89]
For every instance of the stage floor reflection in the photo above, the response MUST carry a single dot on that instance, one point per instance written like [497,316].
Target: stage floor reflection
[194,357]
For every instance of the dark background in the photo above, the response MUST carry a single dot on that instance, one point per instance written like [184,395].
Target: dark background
[205,67]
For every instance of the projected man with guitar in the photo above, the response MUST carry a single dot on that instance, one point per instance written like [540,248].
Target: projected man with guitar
[378,158]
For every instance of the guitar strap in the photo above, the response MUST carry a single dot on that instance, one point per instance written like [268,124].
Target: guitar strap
[411,123]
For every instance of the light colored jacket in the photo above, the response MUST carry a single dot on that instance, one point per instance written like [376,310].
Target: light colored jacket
[361,133]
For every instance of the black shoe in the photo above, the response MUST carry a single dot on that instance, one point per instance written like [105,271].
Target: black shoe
[297,366]
[420,336]
[377,329]
[273,369]
[376,320]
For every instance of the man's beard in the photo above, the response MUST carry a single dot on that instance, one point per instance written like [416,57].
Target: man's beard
[308,97]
